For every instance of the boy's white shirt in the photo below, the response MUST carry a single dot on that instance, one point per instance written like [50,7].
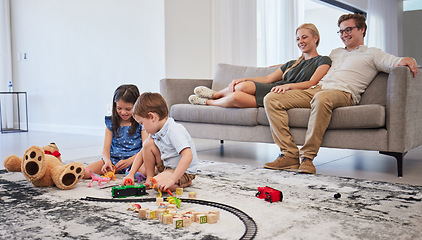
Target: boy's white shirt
[171,140]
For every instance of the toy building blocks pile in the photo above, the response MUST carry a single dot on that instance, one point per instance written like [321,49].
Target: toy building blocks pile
[168,213]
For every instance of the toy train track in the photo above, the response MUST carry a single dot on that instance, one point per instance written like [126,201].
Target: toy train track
[251,228]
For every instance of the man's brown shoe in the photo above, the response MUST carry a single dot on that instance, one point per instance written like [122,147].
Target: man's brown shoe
[283,163]
[307,166]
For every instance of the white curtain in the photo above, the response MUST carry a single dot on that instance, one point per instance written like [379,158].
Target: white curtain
[5,65]
[383,21]
[277,22]
[5,45]
[234,32]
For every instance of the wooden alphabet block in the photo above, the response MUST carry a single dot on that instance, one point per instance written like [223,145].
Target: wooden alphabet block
[212,218]
[143,212]
[179,191]
[178,222]
[158,201]
[186,221]
[192,195]
[167,218]
[202,218]
[216,212]
[159,211]
[150,214]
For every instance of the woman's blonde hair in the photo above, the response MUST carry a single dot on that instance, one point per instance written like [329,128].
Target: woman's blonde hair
[315,32]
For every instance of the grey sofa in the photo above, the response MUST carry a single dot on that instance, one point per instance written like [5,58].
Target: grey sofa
[388,119]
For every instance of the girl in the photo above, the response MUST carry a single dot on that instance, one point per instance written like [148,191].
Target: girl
[123,135]
[296,74]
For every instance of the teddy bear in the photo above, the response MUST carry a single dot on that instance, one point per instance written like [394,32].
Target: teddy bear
[43,167]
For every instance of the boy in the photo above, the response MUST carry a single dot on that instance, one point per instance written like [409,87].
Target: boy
[169,147]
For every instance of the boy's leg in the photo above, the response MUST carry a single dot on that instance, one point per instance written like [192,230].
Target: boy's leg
[152,157]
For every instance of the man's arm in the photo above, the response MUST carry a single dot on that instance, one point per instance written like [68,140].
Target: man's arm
[411,63]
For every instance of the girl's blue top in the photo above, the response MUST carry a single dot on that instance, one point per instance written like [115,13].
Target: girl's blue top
[125,145]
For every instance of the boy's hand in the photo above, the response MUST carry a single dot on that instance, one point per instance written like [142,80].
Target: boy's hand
[164,181]
[125,178]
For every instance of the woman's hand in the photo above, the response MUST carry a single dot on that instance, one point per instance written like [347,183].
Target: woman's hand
[122,164]
[233,84]
[281,88]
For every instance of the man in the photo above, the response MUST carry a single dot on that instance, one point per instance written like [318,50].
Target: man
[352,70]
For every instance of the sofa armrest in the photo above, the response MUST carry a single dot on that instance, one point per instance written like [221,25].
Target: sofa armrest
[404,111]
[177,91]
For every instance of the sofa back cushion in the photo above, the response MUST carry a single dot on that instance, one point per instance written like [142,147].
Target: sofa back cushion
[225,73]
[376,92]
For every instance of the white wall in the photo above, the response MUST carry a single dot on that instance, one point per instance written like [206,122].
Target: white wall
[78,52]
[188,38]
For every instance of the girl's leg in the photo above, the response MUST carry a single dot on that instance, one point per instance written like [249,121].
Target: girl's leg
[151,156]
[95,167]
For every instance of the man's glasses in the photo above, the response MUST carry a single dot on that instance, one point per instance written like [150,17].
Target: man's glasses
[346,30]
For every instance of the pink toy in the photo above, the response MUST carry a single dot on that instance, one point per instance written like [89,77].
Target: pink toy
[98,178]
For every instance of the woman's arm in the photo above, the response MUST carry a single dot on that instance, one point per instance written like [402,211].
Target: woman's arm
[316,77]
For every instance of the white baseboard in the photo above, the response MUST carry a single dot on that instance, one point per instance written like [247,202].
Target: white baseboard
[71,129]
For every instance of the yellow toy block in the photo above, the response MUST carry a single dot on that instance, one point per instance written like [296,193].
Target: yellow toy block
[150,214]
[179,191]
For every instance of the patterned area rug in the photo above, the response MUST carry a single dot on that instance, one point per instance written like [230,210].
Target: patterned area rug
[309,210]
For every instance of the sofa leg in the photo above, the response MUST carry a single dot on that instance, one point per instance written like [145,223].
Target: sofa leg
[399,157]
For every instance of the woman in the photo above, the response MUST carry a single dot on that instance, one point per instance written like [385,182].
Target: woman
[302,73]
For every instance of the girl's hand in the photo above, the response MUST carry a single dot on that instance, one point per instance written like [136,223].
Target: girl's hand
[107,167]
[233,84]
[281,88]
[122,164]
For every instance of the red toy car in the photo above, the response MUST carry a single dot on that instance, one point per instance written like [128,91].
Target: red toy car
[269,194]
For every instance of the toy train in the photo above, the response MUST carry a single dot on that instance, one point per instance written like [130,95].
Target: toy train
[269,194]
[128,191]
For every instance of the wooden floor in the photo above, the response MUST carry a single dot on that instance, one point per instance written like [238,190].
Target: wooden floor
[336,162]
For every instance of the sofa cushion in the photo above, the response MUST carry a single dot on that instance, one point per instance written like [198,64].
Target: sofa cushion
[353,117]
[225,73]
[212,114]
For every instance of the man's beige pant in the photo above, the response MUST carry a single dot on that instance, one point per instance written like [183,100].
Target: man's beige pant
[321,103]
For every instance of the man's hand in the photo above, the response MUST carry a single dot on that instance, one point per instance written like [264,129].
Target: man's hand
[411,63]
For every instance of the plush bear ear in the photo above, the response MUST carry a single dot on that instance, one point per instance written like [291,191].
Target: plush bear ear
[53,150]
